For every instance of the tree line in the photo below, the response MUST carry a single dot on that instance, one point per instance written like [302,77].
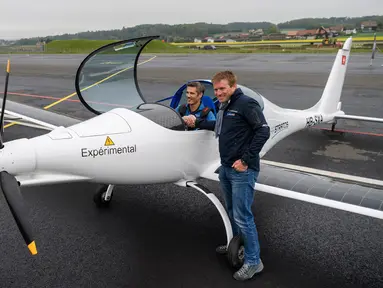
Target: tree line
[187,32]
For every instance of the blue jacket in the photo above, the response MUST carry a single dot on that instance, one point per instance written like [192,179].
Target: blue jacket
[197,113]
[244,131]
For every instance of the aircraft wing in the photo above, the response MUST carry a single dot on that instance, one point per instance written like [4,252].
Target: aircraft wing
[340,191]
[35,179]
[35,117]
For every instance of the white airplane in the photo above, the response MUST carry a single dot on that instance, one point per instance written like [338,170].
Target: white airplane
[134,141]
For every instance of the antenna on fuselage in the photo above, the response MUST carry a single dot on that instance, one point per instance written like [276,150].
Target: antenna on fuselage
[3,106]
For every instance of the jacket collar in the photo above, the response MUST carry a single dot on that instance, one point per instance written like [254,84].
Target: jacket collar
[237,93]
[199,109]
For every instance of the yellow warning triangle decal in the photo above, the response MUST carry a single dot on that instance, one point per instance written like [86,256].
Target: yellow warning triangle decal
[108,141]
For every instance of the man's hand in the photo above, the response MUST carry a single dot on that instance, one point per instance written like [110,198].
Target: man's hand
[238,166]
[189,120]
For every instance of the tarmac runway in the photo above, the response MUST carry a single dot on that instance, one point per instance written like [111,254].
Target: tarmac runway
[165,236]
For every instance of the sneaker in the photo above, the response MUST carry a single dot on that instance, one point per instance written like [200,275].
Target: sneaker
[221,249]
[248,271]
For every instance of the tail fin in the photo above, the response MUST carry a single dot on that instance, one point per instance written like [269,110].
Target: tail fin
[329,102]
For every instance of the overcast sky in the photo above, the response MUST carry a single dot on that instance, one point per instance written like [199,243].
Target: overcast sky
[29,18]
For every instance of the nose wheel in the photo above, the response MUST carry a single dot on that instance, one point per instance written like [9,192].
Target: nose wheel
[103,196]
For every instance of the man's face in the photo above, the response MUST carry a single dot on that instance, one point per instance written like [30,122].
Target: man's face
[192,96]
[223,91]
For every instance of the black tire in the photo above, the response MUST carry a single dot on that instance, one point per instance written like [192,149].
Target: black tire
[98,197]
[236,252]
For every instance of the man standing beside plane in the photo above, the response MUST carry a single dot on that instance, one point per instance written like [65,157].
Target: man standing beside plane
[242,131]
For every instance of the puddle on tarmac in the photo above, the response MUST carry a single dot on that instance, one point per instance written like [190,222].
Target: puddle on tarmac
[343,150]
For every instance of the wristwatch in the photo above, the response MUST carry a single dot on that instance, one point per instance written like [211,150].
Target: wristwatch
[243,162]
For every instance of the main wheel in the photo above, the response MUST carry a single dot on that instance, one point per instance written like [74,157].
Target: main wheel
[99,197]
[236,252]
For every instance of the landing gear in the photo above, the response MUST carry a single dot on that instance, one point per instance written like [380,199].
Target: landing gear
[235,246]
[333,126]
[217,204]
[236,252]
[103,196]
[333,132]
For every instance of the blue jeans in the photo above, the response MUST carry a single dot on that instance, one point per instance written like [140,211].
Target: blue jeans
[238,192]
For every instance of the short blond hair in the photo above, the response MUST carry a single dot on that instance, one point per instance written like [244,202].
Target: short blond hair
[225,75]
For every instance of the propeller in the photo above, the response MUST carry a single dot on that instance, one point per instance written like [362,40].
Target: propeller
[3,106]
[10,188]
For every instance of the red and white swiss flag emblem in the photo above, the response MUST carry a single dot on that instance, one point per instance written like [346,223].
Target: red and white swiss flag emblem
[343,59]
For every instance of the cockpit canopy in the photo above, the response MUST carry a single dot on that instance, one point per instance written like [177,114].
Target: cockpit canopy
[107,79]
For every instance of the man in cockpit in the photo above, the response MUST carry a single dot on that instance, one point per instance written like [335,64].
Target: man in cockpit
[194,106]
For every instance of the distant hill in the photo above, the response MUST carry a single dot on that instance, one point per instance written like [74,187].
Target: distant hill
[187,32]
[312,23]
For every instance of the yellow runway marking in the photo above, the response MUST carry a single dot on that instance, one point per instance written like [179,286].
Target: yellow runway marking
[86,88]
[99,82]
[10,124]
[61,100]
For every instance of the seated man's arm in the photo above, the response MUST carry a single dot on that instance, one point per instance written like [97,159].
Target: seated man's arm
[205,124]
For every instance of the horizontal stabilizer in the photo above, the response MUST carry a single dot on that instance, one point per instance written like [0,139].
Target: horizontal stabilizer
[360,118]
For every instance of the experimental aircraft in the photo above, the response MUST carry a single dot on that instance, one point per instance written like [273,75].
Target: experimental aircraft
[132,140]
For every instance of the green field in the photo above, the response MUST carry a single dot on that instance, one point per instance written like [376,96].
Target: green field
[87,46]
[157,46]
[75,46]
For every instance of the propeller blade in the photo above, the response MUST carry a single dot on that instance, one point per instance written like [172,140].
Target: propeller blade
[12,194]
[3,106]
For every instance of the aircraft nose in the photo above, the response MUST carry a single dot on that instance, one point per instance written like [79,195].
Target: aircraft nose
[17,157]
